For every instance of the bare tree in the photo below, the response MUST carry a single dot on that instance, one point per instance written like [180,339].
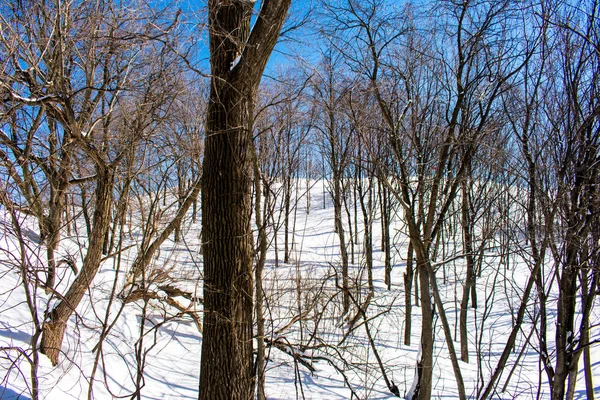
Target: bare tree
[330,93]
[573,110]
[74,68]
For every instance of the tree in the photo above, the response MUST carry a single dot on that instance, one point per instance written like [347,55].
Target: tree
[279,136]
[573,112]
[330,92]
[238,56]
[71,64]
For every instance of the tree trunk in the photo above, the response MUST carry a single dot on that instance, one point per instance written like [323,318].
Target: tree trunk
[238,58]
[565,320]
[349,216]
[369,236]
[147,252]
[287,182]
[59,184]
[447,333]
[53,223]
[85,204]
[490,386]
[181,193]
[261,224]
[339,229]
[588,293]
[425,375]
[408,279]
[226,370]
[54,327]
[470,278]
[385,234]
[421,389]
[366,208]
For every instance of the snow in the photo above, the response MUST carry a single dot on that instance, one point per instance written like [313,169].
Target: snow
[171,343]
[413,387]
[235,62]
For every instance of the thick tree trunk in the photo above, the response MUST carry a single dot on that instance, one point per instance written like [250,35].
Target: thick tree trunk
[238,58]
[227,248]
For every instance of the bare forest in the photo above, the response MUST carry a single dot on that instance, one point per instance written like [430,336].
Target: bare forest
[295,199]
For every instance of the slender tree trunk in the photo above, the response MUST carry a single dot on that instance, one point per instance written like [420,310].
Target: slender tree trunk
[194,211]
[587,365]
[565,321]
[425,364]
[123,204]
[54,327]
[287,199]
[385,234]
[369,237]
[52,223]
[85,204]
[52,241]
[349,217]
[448,334]
[339,228]
[366,208]
[515,330]
[180,198]
[408,279]
[355,214]
[260,264]
[470,278]
[144,257]
[120,213]
[585,338]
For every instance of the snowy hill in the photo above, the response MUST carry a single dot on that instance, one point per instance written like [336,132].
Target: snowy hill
[122,342]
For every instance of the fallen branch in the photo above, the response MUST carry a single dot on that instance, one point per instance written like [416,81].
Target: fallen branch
[170,292]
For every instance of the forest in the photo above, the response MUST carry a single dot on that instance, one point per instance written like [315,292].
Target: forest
[299,199]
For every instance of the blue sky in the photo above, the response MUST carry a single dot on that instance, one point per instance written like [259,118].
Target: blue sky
[298,43]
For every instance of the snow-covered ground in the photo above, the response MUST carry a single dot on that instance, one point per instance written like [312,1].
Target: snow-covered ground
[111,346]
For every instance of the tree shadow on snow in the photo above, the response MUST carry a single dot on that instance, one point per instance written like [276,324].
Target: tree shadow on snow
[9,394]
[15,335]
